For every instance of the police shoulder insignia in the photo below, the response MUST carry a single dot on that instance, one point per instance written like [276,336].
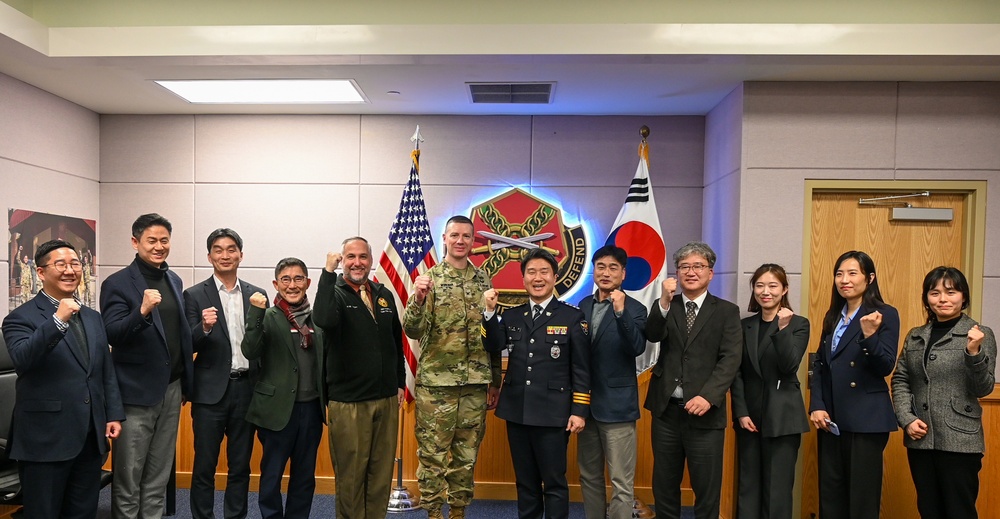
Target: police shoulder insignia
[586,327]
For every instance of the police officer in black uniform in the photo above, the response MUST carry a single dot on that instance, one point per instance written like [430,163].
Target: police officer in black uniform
[546,391]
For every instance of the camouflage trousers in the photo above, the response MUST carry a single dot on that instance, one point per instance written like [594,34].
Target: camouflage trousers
[450,425]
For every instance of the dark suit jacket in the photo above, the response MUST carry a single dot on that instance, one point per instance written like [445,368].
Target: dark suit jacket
[614,389]
[269,338]
[704,363]
[58,397]
[215,353]
[548,366]
[767,385]
[138,346]
[850,384]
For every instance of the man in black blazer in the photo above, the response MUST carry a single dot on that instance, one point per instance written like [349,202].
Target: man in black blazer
[617,336]
[143,310]
[67,403]
[546,393]
[223,378]
[700,348]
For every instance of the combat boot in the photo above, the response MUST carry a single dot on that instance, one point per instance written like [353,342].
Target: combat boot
[435,513]
[456,512]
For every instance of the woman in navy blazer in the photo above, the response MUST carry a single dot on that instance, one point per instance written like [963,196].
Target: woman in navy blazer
[946,366]
[850,404]
[768,413]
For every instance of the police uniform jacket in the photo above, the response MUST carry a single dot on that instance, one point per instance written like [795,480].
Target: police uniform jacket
[548,366]
[849,384]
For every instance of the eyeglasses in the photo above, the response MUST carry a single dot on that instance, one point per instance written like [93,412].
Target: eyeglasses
[288,280]
[697,268]
[61,265]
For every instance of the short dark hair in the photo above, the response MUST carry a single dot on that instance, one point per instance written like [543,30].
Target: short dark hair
[458,218]
[224,232]
[290,262]
[42,254]
[149,220]
[617,253]
[539,253]
[952,278]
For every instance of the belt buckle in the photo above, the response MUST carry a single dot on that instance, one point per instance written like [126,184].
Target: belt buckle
[236,375]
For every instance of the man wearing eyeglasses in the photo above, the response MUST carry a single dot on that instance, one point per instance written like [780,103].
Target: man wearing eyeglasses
[223,378]
[287,404]
[67,402]
[701,345]
[143,310]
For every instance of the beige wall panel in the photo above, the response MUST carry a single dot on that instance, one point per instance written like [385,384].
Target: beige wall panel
[991,303]
[720,221]
[724,137]
[121,204]
[819,125]
[75,196]
[948,126]
[276,148]
[298,220]
[47,131]
[603,151]
[991,259]
[724,285]
[5,291]
[464,150]
[147,148]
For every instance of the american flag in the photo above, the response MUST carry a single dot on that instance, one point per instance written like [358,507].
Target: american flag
[408,253]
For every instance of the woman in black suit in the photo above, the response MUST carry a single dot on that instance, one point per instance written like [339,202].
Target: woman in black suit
[767,403]
[849,399]
[946,366]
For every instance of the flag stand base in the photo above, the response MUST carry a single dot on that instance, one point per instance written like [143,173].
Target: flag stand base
[400,499]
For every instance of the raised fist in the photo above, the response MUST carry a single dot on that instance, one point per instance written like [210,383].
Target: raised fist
[975,340]
[259,300]
[870,323]
[421,286]
[209,317]
[333,261]
[150,300]
[69,306]
[669,287]
[784,317]
[490,297]
[617,298]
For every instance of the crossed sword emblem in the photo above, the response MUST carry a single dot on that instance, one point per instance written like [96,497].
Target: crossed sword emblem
[503,242]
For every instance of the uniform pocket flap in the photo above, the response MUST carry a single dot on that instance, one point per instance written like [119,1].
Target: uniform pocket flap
[558,385]
[966,409]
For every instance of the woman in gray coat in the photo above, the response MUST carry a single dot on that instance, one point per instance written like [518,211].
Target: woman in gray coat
[946,366]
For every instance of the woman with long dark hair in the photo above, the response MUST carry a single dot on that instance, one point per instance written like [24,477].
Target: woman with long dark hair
[767,404]
[946,366]
[850,405]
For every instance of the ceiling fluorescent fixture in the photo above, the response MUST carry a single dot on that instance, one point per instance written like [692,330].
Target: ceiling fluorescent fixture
[266,91]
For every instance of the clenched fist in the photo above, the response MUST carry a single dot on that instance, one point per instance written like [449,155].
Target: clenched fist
[490,300]
[870,323]
[68,307]
[975,340]
[784,317]
[617,298]
[209,317]
[421,286]
[333,261]
[259,300]
[669,287]
[150,299]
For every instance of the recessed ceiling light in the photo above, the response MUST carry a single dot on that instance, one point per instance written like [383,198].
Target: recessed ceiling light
[266,91]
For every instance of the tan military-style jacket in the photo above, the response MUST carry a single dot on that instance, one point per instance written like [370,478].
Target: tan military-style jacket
[448,326]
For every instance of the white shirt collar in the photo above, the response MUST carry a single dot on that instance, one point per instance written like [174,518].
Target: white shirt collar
[220,286]
[700,300]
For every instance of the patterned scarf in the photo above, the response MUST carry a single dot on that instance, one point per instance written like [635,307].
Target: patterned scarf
[299,317]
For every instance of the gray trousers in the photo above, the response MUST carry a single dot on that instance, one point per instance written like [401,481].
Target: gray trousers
[143,456]
[614,443]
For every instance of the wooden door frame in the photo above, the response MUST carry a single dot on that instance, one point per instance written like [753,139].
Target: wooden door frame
[973,253]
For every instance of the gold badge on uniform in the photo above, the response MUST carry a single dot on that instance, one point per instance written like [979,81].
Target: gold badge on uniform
[557,330]
[383,303]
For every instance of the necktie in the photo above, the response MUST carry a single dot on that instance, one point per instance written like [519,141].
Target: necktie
[76,328]
[537,309]
[692,309]
[367,299]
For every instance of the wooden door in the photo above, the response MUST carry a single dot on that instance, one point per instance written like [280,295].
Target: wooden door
[903,252]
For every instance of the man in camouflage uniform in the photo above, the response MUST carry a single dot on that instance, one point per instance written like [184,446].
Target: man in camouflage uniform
[457,380]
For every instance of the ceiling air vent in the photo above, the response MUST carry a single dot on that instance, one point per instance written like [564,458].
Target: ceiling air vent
[511,93]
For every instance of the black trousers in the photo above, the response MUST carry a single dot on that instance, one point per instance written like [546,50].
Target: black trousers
[212,422]
[63,489]
[947,483]
[850,474]
[539,458]
[674,441]
[766,474]
[298,442]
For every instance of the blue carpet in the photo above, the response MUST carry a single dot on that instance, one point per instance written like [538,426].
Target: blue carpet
[323,507]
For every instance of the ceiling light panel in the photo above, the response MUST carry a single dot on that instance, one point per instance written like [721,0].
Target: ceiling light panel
[266,91]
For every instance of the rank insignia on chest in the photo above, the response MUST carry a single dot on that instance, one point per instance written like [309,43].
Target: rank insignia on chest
[555,352]
[557,330]
[383,303]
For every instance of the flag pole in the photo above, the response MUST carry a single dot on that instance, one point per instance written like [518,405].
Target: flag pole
[400,499]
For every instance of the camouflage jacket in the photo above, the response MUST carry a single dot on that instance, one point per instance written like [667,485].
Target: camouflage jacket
[448,326]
